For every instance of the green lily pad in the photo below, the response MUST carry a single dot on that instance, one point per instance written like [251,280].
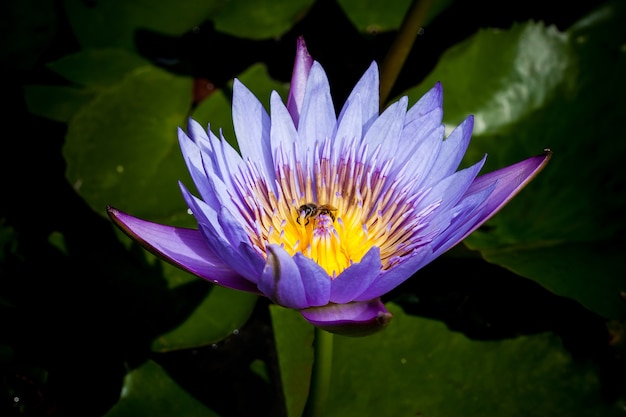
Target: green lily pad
[531,88]
[372,16]
[419,367]
[293,336]
[97,68]
[114,23]
[149,391]
[221,312]
[122,148]
[260,19]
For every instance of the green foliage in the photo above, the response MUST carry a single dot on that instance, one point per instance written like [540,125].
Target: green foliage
[149,391]
[418,367]
[531,88]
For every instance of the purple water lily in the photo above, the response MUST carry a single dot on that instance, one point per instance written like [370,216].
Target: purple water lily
[325,213]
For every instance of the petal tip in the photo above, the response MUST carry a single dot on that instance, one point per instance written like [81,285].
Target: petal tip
[354,319]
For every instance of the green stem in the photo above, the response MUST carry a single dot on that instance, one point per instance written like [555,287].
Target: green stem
[391,66]
[320,377]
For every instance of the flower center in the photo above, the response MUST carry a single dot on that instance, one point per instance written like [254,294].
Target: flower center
[333,213]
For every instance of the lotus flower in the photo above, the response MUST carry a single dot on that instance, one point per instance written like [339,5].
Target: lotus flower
[324,213]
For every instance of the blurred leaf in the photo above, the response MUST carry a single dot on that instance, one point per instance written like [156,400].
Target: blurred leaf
[255,19]
[222,311]
[505,75]
[55,102]
[97,68]
[294,342]
[531,88]
[418,367]
[114,23]
[121,148]
[373,16]
[149,391]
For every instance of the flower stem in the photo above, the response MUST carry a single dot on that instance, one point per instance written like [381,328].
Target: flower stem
[399,50]
[320,377]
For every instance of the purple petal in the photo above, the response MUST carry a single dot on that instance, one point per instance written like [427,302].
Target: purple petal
[365,94]
[398,273]
[452,151]
[449,191]
[217,239]
[182,247]
[352,319]
[283,133]
[355,279]
[349,129]
[508,182]
[386,130]
[317,119]
[430,101]
[459,220]
[281,280]
[299,77]
[252,128]
[315,280]
[417,159]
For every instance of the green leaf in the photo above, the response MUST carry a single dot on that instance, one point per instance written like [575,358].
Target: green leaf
[97,68]
[373,16]
[293,336]
[418,367]
[149,391]
[220,313]
[255,19]
[500,76]
[55,102]
[532,88]
[114,23]
[122,149]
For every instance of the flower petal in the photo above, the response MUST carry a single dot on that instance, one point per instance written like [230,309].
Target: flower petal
[252,129]
[229,251]
[281,280]
[398,273]
[299,77]
[433,99]
[283,132]
[452,151]
[355,279]
[315,280]
[352,319]
[509,181]
[365,94]
[317,119]
[384,134]
[185,248]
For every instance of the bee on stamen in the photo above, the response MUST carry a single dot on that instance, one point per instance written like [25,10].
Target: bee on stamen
[310,211]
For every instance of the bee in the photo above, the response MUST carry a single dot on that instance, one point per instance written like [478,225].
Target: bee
[311,210]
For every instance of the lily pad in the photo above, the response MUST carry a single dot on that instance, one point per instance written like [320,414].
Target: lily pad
[531,88]
[122,149]
[418,367]
[114,23]
[260,19]
[372,16]
[220,313]
[149,391]
[294,341]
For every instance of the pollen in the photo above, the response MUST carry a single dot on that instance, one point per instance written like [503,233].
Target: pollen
[333,214]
